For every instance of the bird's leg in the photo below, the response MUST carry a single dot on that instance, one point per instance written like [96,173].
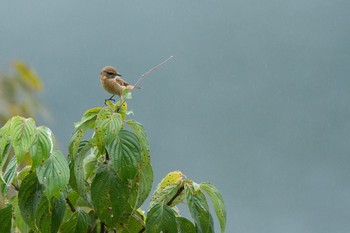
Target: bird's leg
[110,99]
[121,104]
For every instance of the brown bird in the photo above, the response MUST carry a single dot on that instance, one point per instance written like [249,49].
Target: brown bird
[113,83]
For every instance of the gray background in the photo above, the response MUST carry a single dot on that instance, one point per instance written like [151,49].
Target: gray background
[256,99]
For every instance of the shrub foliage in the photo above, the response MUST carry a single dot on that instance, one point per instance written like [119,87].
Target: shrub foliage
[101,184]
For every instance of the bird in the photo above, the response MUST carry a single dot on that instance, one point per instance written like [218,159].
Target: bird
[113,83]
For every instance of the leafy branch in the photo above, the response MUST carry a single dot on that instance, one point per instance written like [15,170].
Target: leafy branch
[100,186]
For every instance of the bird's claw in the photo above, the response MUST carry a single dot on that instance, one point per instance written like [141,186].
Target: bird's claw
[110,99]
[118,108]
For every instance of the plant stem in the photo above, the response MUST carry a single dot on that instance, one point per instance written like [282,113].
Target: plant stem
[15,186]
[70,205]
[103,227]
[179,191]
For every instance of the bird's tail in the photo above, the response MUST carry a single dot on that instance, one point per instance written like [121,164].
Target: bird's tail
[130,87]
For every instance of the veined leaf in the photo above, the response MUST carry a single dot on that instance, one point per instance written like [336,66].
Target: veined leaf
[171,178]
[107,127]
[74,142]
[123,110]
[133,224]
[90,165]
[6,219]
[23,133]
[185,225]
[199,209]
[170,186]
[168,193]
[125,154]
[4,135]
[18,221]
[42,146]
[86,122]
[9,174]
[109,195]
[88,118]
[54,174]
[48,216]
[143,184]
[218,202]
[79,172]
[4,157]
[77,223]
[161,218]
[145,174]
[140,132]
[29,196]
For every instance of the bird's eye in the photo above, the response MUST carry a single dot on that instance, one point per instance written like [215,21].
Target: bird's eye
[110,72]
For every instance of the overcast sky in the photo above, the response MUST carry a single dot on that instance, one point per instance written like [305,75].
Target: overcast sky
[256,99]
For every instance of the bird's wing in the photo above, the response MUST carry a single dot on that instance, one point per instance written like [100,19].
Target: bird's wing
[121,81]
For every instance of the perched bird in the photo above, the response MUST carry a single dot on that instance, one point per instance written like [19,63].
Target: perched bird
[113,83]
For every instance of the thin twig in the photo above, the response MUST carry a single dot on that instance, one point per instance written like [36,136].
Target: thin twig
[15,186]
[179,191]
[107,157]
[70,205]
[103,227]
[153,69]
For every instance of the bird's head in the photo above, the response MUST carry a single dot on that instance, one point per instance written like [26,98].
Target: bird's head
[109,72]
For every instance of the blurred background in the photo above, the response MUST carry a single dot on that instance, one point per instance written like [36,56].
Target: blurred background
[256,99]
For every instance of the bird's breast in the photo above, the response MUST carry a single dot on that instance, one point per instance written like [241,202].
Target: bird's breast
[111,86]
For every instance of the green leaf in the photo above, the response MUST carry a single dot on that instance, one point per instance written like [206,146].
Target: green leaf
[86,122]
[145,175]
[4,157]
[78,222]
[107,127]
[140,132]
[170,186]
[185,225]
[22,174]
[144,184]
[9,174]
[18,221]
[90,164]
[23,133]
[161,218]
[54,174]
[109,195]
[4,136]
[88,118]
[48,216]
[5,154]
[29,195]
[6,219]
[164,195]
[78,167]
[42,146]
[199,209]
[74,142]
[125,154]
[127,94]
[218,202]
[133,224]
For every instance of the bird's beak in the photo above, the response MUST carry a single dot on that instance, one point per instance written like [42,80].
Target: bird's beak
[119,75]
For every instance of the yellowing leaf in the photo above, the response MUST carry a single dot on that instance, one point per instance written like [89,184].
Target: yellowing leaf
[171,178]
[28,75]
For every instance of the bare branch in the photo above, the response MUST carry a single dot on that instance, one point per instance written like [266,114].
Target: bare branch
[153,69]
